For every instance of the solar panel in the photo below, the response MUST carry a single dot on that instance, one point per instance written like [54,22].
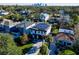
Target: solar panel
[41,26]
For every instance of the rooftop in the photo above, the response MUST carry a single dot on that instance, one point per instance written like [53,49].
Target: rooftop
[9,23]
[64,36]
[45,14]
[3,12]
[41,26]
[25,24]
[68,31]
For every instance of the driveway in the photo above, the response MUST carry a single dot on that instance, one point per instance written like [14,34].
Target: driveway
[35,49]
[38,45]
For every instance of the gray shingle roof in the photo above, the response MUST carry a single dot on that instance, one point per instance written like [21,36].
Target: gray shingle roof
[25,24]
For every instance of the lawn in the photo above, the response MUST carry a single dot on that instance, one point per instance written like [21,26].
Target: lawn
[26,46]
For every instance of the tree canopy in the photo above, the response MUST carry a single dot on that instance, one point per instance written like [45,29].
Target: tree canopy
[8,46]
[44,49]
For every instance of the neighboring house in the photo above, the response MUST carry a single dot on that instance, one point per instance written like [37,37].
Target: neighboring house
[53,21]
[39,31]
[61,11]
[65,18]
[25,12]
[65,37]
[6,25]
[44,16]
[21,28]
[68,31]
[3,12]
[62,17]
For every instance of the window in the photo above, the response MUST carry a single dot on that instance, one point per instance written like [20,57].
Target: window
[37,37]
[68,43]
[37,32]
[33,36]
[64,43]
[43,33]
[33,31]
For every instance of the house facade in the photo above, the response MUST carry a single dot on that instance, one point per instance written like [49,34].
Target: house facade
[6,25]
[39,31]
[21,28]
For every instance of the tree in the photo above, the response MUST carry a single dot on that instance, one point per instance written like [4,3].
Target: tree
[24,39]
[16,17]
[1,19]
[8,46]
[76,46]
[49,39]
[75,18]
[44,49]
[67,52]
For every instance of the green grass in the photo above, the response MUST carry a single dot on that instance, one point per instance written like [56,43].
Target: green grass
[26,46]
[67,52]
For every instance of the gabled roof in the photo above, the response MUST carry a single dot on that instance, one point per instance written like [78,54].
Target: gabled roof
[63,36]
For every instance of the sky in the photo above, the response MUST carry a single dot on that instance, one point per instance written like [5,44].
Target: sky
[48,2]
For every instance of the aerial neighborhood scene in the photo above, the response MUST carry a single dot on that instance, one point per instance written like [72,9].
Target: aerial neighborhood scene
[39,30]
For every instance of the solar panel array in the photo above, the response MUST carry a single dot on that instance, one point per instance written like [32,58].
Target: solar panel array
[41,26]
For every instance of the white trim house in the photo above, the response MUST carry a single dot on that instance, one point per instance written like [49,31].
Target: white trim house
[3,12]
[40,31]
[44,16]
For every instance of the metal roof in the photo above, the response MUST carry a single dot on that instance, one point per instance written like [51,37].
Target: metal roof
[68,31]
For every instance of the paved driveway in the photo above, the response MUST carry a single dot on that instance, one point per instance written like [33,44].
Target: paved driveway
[35,49]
